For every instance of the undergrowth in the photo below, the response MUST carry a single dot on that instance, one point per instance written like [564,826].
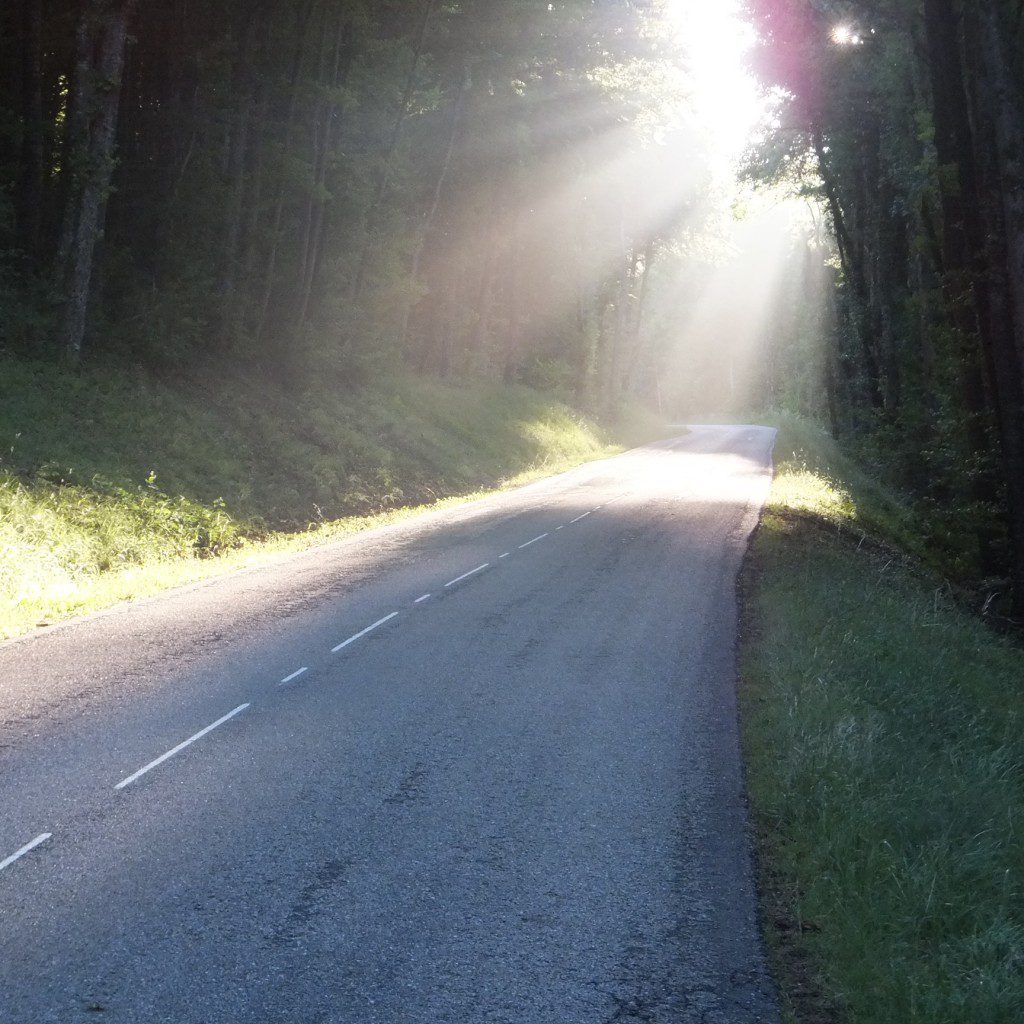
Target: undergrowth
[113,487]
[883,735]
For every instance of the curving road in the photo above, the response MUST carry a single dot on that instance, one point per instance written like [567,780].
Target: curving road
[478,767]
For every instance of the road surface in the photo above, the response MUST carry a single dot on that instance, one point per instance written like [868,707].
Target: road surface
[481,766]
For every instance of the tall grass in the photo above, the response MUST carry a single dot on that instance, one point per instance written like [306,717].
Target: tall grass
[885,749]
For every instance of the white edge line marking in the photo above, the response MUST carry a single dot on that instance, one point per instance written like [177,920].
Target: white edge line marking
[420,600]
[557,528]
[507,553]
[584,516]
[363,632]
[466,575]
[181,746]
[27,848]
[294,675]
[534,541]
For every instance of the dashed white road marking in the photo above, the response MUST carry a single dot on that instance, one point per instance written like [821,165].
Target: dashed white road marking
[180,747]
[466,575]
[40,839]
[534,541]
[27,848]
[363,632]
[295,675]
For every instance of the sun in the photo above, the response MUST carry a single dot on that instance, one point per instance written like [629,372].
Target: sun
[725,98]
[846,35]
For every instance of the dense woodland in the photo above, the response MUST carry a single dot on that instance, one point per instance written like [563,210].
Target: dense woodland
[512,191]
[326,187]
[906,121]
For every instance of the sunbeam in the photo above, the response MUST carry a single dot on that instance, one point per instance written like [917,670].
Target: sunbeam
[725,99]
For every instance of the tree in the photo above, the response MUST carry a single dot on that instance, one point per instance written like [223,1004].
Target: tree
[915,121]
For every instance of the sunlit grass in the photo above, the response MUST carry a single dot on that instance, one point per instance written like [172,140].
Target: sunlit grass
[882,727]
[99,559]
[112,491]
[801,490]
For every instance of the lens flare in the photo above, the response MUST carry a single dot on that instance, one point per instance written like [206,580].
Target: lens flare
[845,35]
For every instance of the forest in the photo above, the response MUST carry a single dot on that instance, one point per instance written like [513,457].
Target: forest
[905,123]
[277,273]
[519,192]
[329,187]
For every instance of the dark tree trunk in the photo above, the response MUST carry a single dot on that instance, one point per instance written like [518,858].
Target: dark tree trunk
[851,258]
[102,37]
[1007,120]
[962,266]
[344,55]
[636,331]
[362,264]
[488,281]
[430,218]
[617,340]
[303,15]
[887,270]
[75,144]
[243,89]
[986,256]
[514,289]
[30,190]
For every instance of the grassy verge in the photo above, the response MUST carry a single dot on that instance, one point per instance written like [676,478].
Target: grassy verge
[112,489]
[884,736]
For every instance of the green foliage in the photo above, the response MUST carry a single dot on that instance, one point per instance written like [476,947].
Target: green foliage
[883,127]
[885,752]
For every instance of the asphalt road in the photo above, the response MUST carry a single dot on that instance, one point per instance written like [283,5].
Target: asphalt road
[518,799]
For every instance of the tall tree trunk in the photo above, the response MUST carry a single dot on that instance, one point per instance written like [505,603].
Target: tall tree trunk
[242,87]
[851,258]
[30,191]
[514,290]
[998,215]
[319,134]
[102,38]
[255,202]
[1007,118]
[583,289]
[962,262]
[886,267]
[637,326]
[362,263]
[617,341]
[75,144]
[488,281]
[302,18]
[430,217]
[344,55]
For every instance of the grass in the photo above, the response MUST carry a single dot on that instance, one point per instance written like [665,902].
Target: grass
[884,736]
[115,488]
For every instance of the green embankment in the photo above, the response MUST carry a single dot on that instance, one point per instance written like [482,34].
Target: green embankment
[113,489]
[884,735]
